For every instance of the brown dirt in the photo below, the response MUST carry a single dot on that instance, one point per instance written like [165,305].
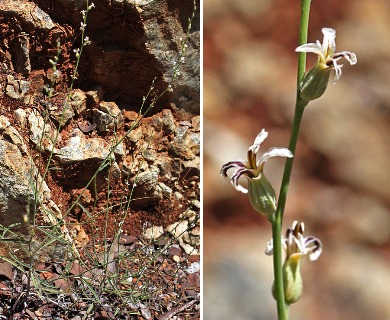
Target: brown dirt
[66,182]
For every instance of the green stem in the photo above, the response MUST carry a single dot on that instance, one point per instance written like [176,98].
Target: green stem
[300,105]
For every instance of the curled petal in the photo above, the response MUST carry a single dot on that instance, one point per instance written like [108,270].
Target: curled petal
[230,165]
[349,56]
[313,247]
[310,48]
[329,42]
[258,141]
[338,71]
[275,152]
[237,174]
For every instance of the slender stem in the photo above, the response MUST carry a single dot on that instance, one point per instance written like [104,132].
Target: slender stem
[300,105]
[303,31]
[278,272]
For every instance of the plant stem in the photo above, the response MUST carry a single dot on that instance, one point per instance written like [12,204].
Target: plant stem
[300,105]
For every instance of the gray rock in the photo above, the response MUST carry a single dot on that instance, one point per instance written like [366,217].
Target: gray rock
[16,194]
[94,97]
[186,143]
[79,148]
[149,154]
[18,178]
[147,189]
[4,122]
[108,116]
[21,116]
[78,101]
[104,122]
[61,114]
[184,69]
[120,149]
[16,89]
[41,133]
[166,191]
[135,135]
[153,232]
[165,121]
[27,13]
[22,54]
[12,135]
[195,121]
[124,60]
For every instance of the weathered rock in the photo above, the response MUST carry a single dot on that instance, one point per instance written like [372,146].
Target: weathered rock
[164,121]
[78,101]
[135,135]
[186,143]
[16,89]
[189,214]
[131,165]
[94,97]
[15,192]
[4,122]
[41,133]
[28,13]
[165,190]
[146,188]
[145,45]
[177,229]
[21,116]
[184,68]
[104,122]
[12,135]
[108,116]
[18,178]
[61,114]
[150,154]
[79,148]
[120,148]
[153,232]
[195,121]
[22,54]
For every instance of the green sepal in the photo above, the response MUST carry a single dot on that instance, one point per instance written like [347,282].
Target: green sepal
[315,83]
[262,196]
[292,279]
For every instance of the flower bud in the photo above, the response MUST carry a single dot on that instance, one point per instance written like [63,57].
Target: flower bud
[315,82]
[262,196]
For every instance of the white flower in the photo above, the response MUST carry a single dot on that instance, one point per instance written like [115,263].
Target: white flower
[296,245]
[252,168]
[83,25]
[327,57]
[87,41]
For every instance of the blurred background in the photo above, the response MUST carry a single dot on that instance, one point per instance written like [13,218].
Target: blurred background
[340,185]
